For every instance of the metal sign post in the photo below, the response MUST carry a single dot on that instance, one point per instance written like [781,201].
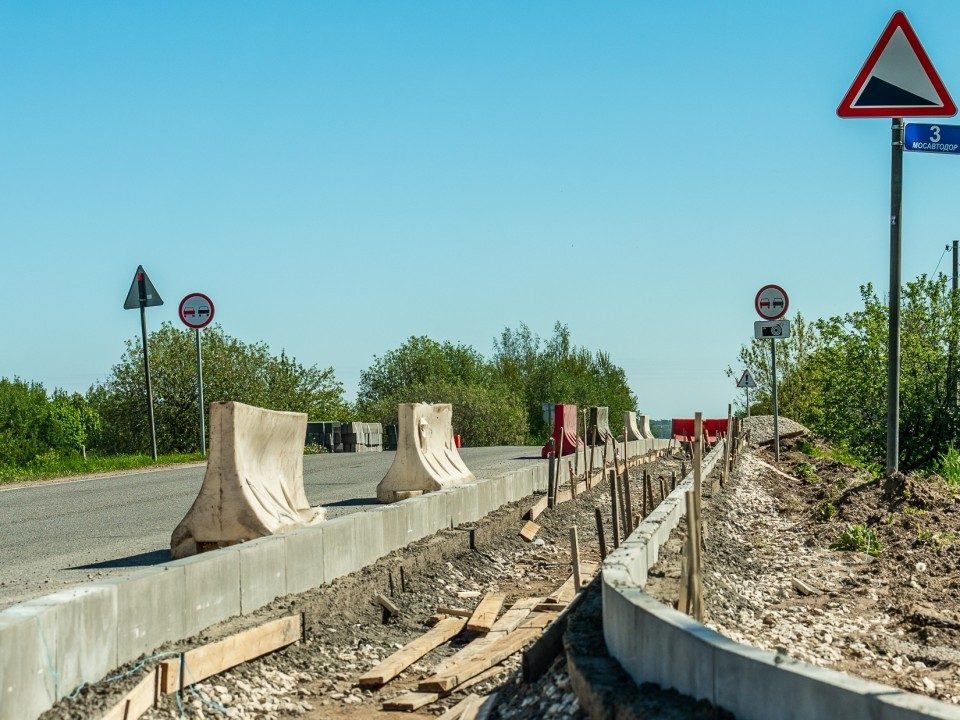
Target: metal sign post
[143,294]
[898,80]
[746,382]
[196,311]
[771,304]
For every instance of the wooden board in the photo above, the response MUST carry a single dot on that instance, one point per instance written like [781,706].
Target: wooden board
[538,508]
[539,620]
[455,612]
[206,661]
[457,710]
[566,592]
[502,648]
[512,618]
[136,702]
[486,613]
[411,652]
[529,531]
[411,701]
[472,711]
[551,607]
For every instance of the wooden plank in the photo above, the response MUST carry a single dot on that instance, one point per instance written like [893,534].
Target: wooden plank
[411,701]
[538,657]
[454,612]
[206,661]
[411,652]
[566,592]
[500,649]
[486,613]
[512,618]
[538,507]
[472,712]
[529,531]
[457,710]
[540,620]
[136,702]
[551,607]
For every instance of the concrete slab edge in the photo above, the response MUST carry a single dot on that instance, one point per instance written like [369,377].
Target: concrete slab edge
[655,643]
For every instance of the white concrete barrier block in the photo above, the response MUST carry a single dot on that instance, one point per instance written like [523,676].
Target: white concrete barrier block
[27,672]
[79,627]
[151,609]
[340,551]
[253,486]
[368,536]
[211,590]
[395,521]
[427,459]
[485,497]
[263,571]
[304,559]
[471,508]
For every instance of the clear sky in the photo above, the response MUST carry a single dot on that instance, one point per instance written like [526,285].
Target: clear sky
[341,176]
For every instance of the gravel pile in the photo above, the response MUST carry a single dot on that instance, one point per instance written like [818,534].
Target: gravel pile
[761,428]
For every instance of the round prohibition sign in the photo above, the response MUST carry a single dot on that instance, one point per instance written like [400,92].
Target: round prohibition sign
[196,310]
[771,302]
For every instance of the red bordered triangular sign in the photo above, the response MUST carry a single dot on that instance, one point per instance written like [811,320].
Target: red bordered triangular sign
[898,79]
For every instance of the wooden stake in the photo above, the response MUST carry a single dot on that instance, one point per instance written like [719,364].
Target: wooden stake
[698,456]
[575,557]
[600,536]
[615,509]
[556,484]
[673,480]
[627,504]
[573,484]
[587,470]
[593,444]
[551,480]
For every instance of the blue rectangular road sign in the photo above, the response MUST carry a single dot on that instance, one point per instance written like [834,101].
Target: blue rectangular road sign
[942,139]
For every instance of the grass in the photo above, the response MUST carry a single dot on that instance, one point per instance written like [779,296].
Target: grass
[806,472]
[857,538]
[949,467]
[847,456]
[46,467]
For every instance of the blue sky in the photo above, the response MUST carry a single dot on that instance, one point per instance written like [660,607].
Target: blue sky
[341,176]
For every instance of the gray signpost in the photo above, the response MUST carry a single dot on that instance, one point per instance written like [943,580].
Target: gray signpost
[771,304]
[897,81]
[143,294]
[196,311]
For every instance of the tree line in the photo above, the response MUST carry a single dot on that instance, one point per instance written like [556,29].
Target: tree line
[832,375]
[497,399]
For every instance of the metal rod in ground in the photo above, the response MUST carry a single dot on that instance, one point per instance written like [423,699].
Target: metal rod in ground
[627,502]
[575,557]
[587,470]
[593,444]
[615,509]
[556,485]
[603,540]
[551,498]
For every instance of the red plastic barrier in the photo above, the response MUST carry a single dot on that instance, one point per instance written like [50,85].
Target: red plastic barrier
[565,416]
[682,429]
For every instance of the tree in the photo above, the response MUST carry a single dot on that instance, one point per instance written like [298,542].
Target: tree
[232,370]
[485,412]
[833,375]
[558,372]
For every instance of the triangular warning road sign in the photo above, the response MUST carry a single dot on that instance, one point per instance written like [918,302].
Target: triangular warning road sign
[746,380]
[143,289]
[898,79]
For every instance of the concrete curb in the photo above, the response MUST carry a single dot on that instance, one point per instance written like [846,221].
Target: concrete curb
[655,643]
[50,645]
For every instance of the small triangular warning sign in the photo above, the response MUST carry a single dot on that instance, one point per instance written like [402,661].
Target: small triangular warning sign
[898,79]
[142,290]
[746,380]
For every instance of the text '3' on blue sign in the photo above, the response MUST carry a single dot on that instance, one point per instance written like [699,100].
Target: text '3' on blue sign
[919,137]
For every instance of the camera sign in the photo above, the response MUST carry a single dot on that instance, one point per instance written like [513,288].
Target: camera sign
[771,329]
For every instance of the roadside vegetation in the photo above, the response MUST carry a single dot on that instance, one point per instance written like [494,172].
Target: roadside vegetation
[832,378]
[497,399]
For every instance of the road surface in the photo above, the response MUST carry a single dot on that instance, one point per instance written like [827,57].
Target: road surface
[54,535]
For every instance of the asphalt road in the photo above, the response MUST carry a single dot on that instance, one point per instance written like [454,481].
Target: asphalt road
[54,535]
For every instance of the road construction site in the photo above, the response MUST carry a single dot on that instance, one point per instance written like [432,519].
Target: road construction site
[341,612]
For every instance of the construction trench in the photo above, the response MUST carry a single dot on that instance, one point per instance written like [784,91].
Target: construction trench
[353,623]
